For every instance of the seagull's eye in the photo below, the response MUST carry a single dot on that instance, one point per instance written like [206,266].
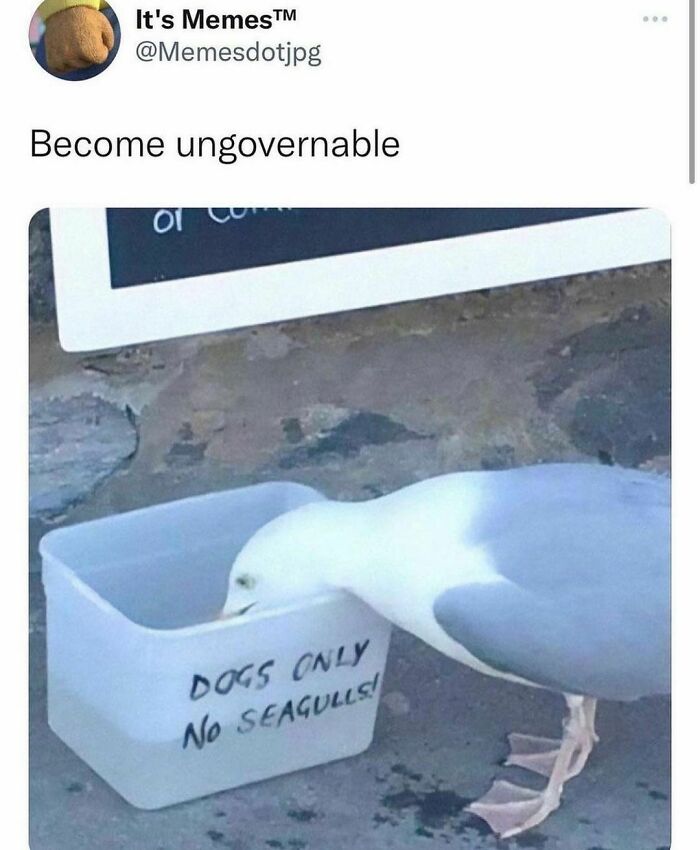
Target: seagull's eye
[246,581]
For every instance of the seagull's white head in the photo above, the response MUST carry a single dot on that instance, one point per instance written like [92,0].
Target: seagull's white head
[287,560]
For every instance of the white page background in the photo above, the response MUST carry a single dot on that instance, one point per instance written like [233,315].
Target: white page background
[498,103]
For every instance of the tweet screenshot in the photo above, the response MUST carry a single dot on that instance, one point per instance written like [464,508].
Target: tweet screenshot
[339,505]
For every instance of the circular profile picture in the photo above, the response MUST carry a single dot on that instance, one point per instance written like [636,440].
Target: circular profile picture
[74,39]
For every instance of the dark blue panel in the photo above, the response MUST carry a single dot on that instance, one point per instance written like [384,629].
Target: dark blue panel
[268,236]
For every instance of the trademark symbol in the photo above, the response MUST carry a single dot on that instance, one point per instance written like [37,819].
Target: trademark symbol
[285,15]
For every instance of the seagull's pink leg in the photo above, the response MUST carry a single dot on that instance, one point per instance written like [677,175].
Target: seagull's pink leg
[539,754]
[588,738]
[510,809]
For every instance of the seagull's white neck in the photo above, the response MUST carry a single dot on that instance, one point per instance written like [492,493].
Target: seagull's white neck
[398,562]
[363,548]
[326,539]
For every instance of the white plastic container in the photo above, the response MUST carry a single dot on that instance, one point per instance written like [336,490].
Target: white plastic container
[167,705]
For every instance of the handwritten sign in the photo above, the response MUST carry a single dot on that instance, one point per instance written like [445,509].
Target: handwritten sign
[257,676]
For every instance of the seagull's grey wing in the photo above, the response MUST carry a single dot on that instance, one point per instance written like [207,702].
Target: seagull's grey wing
[584,605]
[575,643]
[564,523]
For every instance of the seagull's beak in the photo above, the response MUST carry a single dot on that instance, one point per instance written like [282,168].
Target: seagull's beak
[229,615]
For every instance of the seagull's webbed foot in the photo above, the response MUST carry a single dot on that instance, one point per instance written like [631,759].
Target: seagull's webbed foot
[510,809]
[532,753]
[540,754]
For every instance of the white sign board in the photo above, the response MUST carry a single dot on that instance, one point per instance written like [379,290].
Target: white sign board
[126,276]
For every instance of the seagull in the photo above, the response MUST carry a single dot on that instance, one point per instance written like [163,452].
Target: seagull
[553,576]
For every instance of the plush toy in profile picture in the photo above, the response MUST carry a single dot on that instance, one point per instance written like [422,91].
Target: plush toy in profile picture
[75,39]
